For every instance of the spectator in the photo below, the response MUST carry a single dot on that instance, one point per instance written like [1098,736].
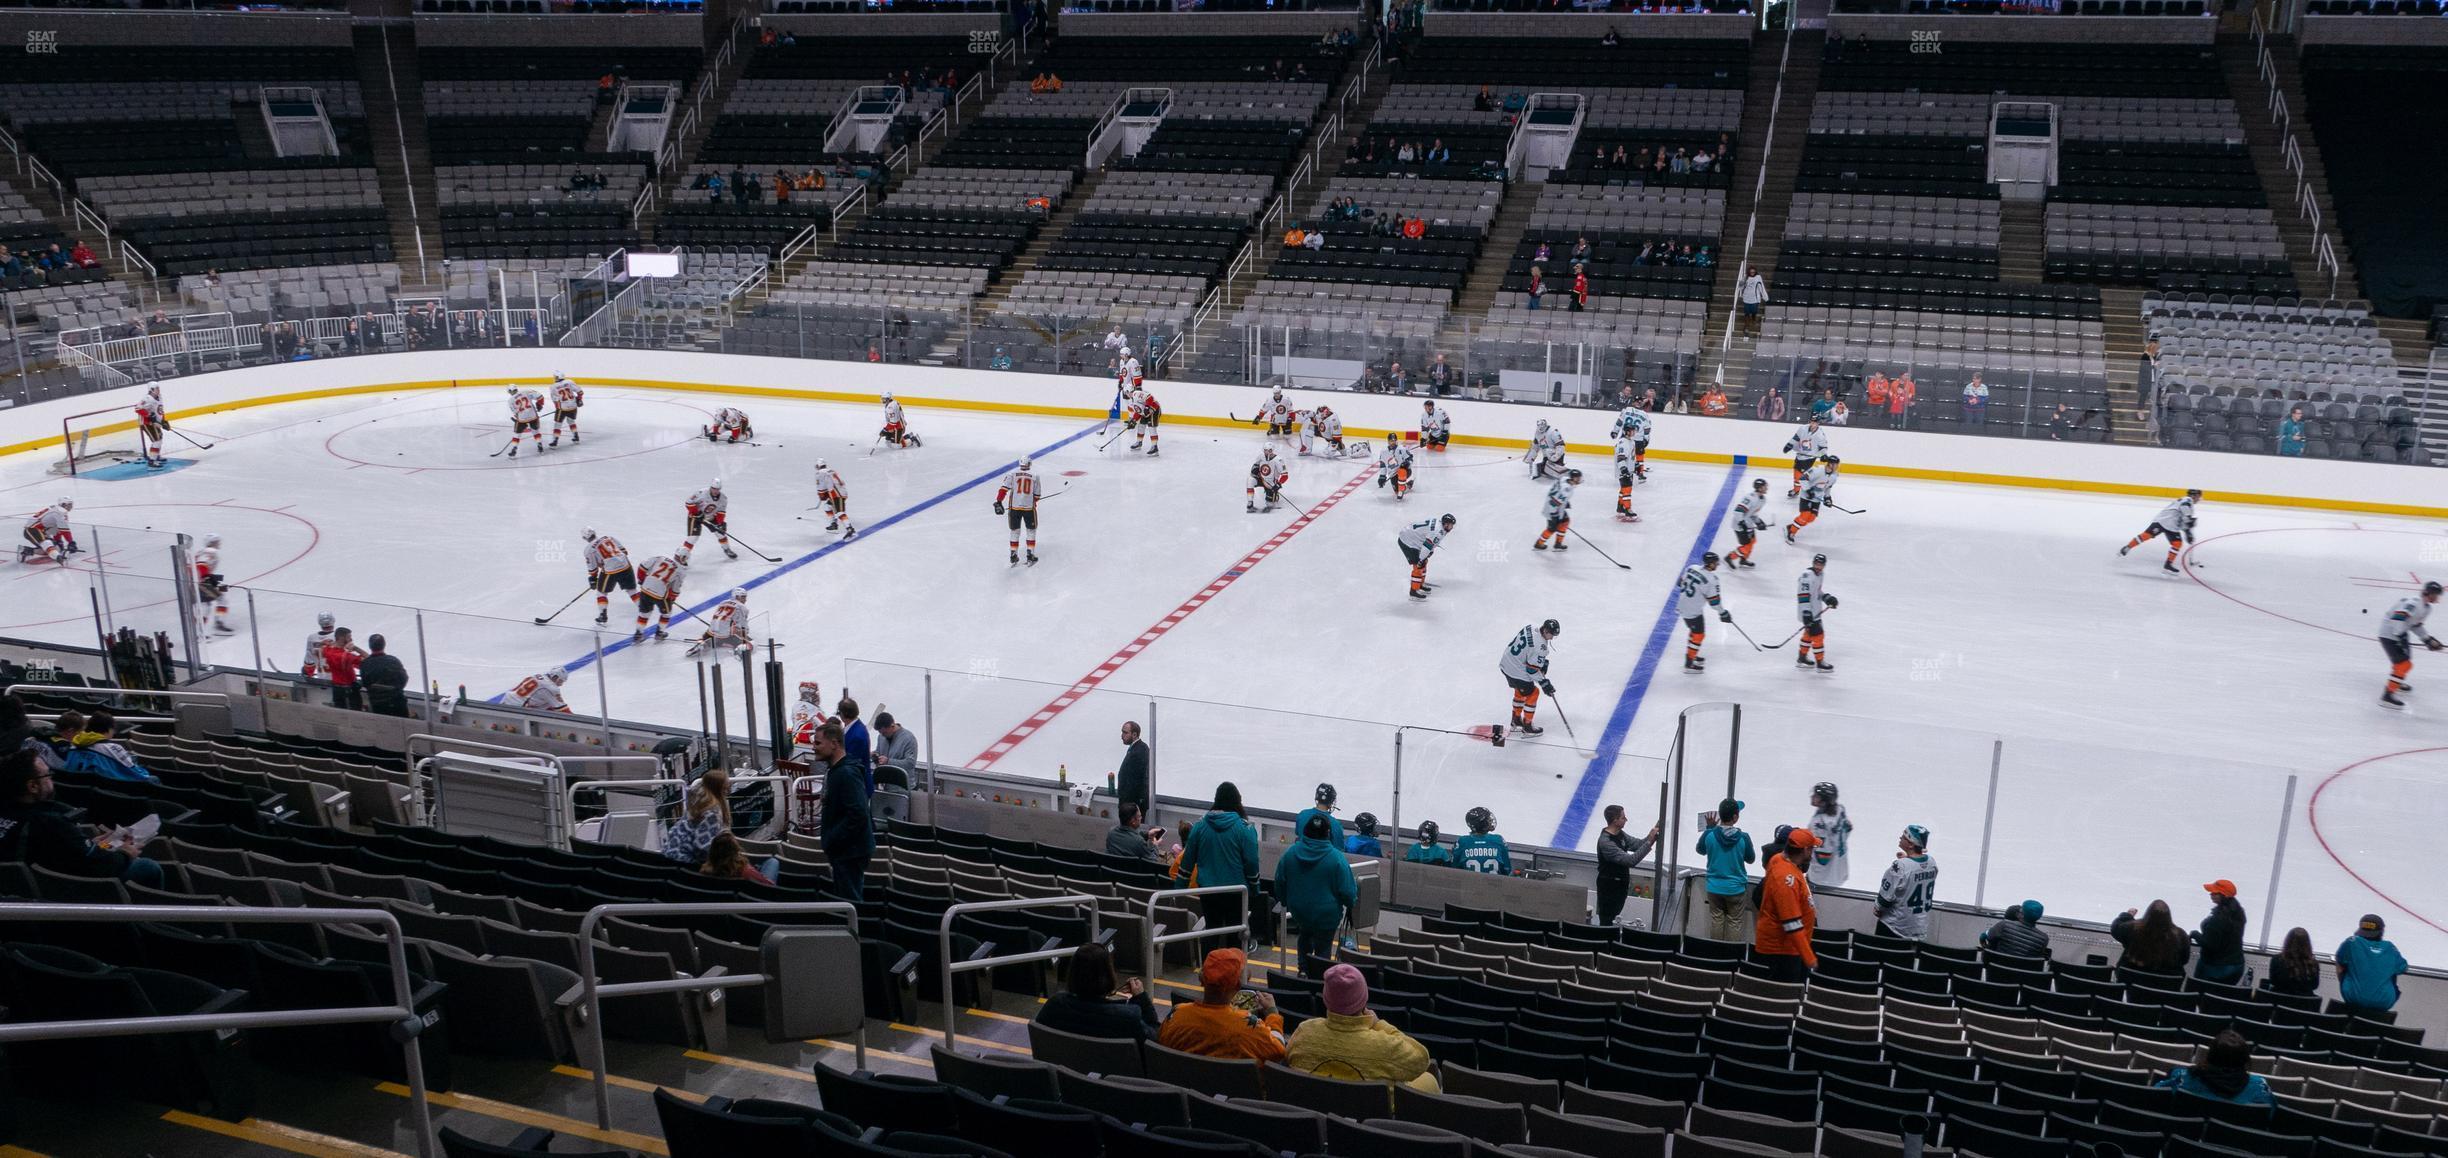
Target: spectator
[1753,298]
[1839,414]
[713,188]
[1226,1022]
[897,746]
[2060,423]
[1713,401]
[1485,101]
[38,830]
[15,730]
[2222,1074]
[95,750]
[1976,402]
[1222,849]
[1414,228]
[1363,838]
[1354,1044]
[1771,406]
[1438,154]
[62,738]
[1619,852]
[1787,915]
[341,660]
[1728,849]
[1000,361]
[1875,391]
[727,860]
[1542,255]
[2221,936]
[2294,972]
[1425,850]
[843,825]
[1900,397]
[1397,380]
[1131,781]
[1834,827]
[2153,942]
[1181,843]
[1482,851]
[1538,286]
[385,680]
[874,354]
[1580,289]
[2368,967]
[2291,433]
[1824,406]
[705,814]
[1906,891]
[1324,806]
[1314,240]
[2018,933]
[1128,837]
[857,743]
[1440,377]
[83,257]
[1313,882]
[1097,1003]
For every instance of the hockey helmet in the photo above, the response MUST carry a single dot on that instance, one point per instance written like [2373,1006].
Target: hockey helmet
[1324,409]
[1759,484]
[1825,789]
[153,391]
[2193,493]
[1325,797]
[1551,629]
[1916,835]
[809,692]
[1831,460]
[715,487]
[1572,475]
[739,595]
[2431,590]
[1480,819]
[1126,351]
[1024,462]
[514,392]
[324,620]
[1279,393]
[212,539]
[1818,560]
[1428,831]
[66,503]
[559,675]
[888,397]
[1270,452]
[587,534]
[1427,403]
[1448,522]
[1365,824]
[1542,424]
[1709,560]
[820,464]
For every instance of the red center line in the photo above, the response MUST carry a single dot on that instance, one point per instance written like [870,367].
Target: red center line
[1145,639]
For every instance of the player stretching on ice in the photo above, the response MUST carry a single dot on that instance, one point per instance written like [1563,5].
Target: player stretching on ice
[1276,412]
[1327,427]
[1266,476]
[896,432]
[1016,501]
[1697,596]
[1750,518]
[2176,522]
[1524,667]
[1813,601]
[834,495]
[566,399]
[659,580]
[727,627]
[1436,427]
[1394,464]
[730,426]
[48,535]
[541,691]
[212,590]
[152,419]
[2398,634]
[1559,512]
[1806,446]
[1818,486]
[1633,425]
[607,567]
[1419,541]
[708,509]
[526,414]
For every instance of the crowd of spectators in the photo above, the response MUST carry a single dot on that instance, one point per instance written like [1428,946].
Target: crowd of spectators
[747,188]
[39,264]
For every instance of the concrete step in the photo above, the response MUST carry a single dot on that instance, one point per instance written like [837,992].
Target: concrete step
[394,96]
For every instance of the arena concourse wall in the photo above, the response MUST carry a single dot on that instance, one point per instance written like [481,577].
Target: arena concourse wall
[2037,463]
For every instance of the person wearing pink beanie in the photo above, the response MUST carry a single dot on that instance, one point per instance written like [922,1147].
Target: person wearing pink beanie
[1354,1044]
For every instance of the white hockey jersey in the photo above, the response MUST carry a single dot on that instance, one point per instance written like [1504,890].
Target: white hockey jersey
[829,483]
[660,578]
[606,556]
[1328,425]
[1632,423]
[149,410]
[311,665]
[806,717]
[1525,658]
[1019,491]
[1829,865]
[1128,374]
[49,522]
[893,415]
[2405,621]
[1270,472]
[1424,536]
[525,406]
[1559,500]
[1906,894]
[566,396]
[1276,411]
[1434,422]
[729,623]
[1393,456]
[1819,483]
[2178,517]
[709,503]
[1810,594]
[1751,511]
[540,693]
[730,418]
[1807,442]
[1697,591]
[1626,453]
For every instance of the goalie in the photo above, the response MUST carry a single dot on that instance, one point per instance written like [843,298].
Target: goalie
[730,426]
[727,628]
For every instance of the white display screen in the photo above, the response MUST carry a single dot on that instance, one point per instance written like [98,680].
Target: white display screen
[654,265]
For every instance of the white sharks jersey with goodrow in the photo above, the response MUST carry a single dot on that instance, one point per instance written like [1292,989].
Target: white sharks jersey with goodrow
[1525,658]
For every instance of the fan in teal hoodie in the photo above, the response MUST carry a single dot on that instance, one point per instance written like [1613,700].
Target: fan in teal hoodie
[2368,967]
[1222,847]
[1314,882]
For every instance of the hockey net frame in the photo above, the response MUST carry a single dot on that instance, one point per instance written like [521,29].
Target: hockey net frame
[78,452]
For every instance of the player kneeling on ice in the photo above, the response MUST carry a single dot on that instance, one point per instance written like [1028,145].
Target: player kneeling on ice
[1267,476]
[1750,518]
[566,399]
[1394,464]
[730,426]
[709,509]
[1818,486]
[2176,522]
[212,589]
[834,495]
[48,535]
[896,432]
[1276,413]
[1016,501]
[2398,634]
[1436,427]
[1559,512]
[727,628]
[658,593]
[1697,595]
[1524,667]
[1813,602]
[541,691]
[1326,426]
[1419,541]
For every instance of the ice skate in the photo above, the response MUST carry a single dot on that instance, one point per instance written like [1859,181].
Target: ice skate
[1419,593]
[1693,663]
[1015,558]
[220,628]
[2390,700]
[2171,568]
[2125,550]
[728,553]
[603,617]
[1529,729]
[1032,558]
[556,441]
[1824,666]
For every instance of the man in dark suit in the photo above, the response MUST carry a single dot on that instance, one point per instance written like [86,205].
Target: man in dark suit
[1131,783]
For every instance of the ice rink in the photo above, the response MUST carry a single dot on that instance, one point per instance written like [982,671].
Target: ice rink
[2143,726]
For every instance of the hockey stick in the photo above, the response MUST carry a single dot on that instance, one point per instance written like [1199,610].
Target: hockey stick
[1563,719]
[189,441]
[1780,644]
[1738,630]
[1848,510]
[505,447]
[541,619]
[1595,547]
[1117,437]
[753,551]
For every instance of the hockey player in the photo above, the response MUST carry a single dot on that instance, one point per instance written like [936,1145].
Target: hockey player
[834,495]
[1627,472]
[212,591]
[1697,596]
[1812,601]
[152,419]
[1750,518]
[607,567]
[566,399]
[2176,522]
[1126,372]
[1419,541]
[659,580]
[709,509]
[1436,427]
[1806,446]
[541,691]
[1817,487]
[1559,512]
[730,426]
[1546,453]
[1633,424]
[1908,891]
[1482,851]
[526,414]
[1141,415]
[1394,464]
[1276,413]
[1268,476]
[311,667]
[896,430]
[807,715]
[1016,500]
[1328,426]
[1524,667]
[1828,822]
[2398,634]
[48,535]
[727,627]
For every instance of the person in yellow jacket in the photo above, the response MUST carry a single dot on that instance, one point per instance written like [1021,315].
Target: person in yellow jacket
[1224,1024]
[1787,915]
[1354,1044]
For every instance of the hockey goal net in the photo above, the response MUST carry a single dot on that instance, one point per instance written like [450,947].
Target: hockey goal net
[97,438]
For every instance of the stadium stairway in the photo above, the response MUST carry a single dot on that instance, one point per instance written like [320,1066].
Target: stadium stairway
[725,75]
[394,95]
[2266,138]
[2122,329]
[1487,276]
[1781,134]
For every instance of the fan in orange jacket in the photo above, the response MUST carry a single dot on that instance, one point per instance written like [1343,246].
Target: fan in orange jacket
[1787,915]
[1216,1026]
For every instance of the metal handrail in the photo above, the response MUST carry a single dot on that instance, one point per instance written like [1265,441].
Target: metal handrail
[16,155]
[35,169]
[1153,941]
[55,689]
[1096,926]
[570,791]
[596,992]
[88,217]
[401,1015]
[842,209]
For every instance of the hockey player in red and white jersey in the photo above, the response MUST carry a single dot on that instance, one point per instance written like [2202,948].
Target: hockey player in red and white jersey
[1324,425]
[1127,376]
[659,580]
[834,495]
[566,399]
[541,691]
[1016,500]
[727,627]
[709,509]
[607,564]
[730,426]
[1276,413]
[212,590]
[311,666]
[1394,464]
[1142,415]
[807,715]
[152,419]
[1267,477]
[896,430]
[48,535]
[526,414]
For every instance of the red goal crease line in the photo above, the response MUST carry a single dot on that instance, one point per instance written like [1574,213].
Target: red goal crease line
[1146,639]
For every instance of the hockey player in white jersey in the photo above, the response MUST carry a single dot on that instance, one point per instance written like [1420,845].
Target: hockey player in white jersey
[1829,865]
[1812,602]
[1627,472]
[1436,427]
[807,715]
[1697,595]
[1524,667]
[541,691]
[709,510]
[607,564]
[1750,518]
[658,595]
[1909,890]
[1818,486]
[1276,414]
[1142,415]
[1328,427]
[1419,541]
[2399,632]
[212,589]
[526,415]
[1394,464]
[48,534]
[834,496]
[896,430]
[566,398]
[311,665]
[1016,500]
[1806,445]
[152,421]
[1633,425]
[730,425]
[1267,477]
[1127,374]
[2176,522]
[1558,512]
[727,627]
[1546,453]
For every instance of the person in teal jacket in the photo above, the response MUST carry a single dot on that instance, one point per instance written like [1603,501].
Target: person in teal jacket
[1728,849]
[2291,433]
[1313,880]
[1222,849]
[1483,851]
[1425,850]
[2368,967]
[2223,1074]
